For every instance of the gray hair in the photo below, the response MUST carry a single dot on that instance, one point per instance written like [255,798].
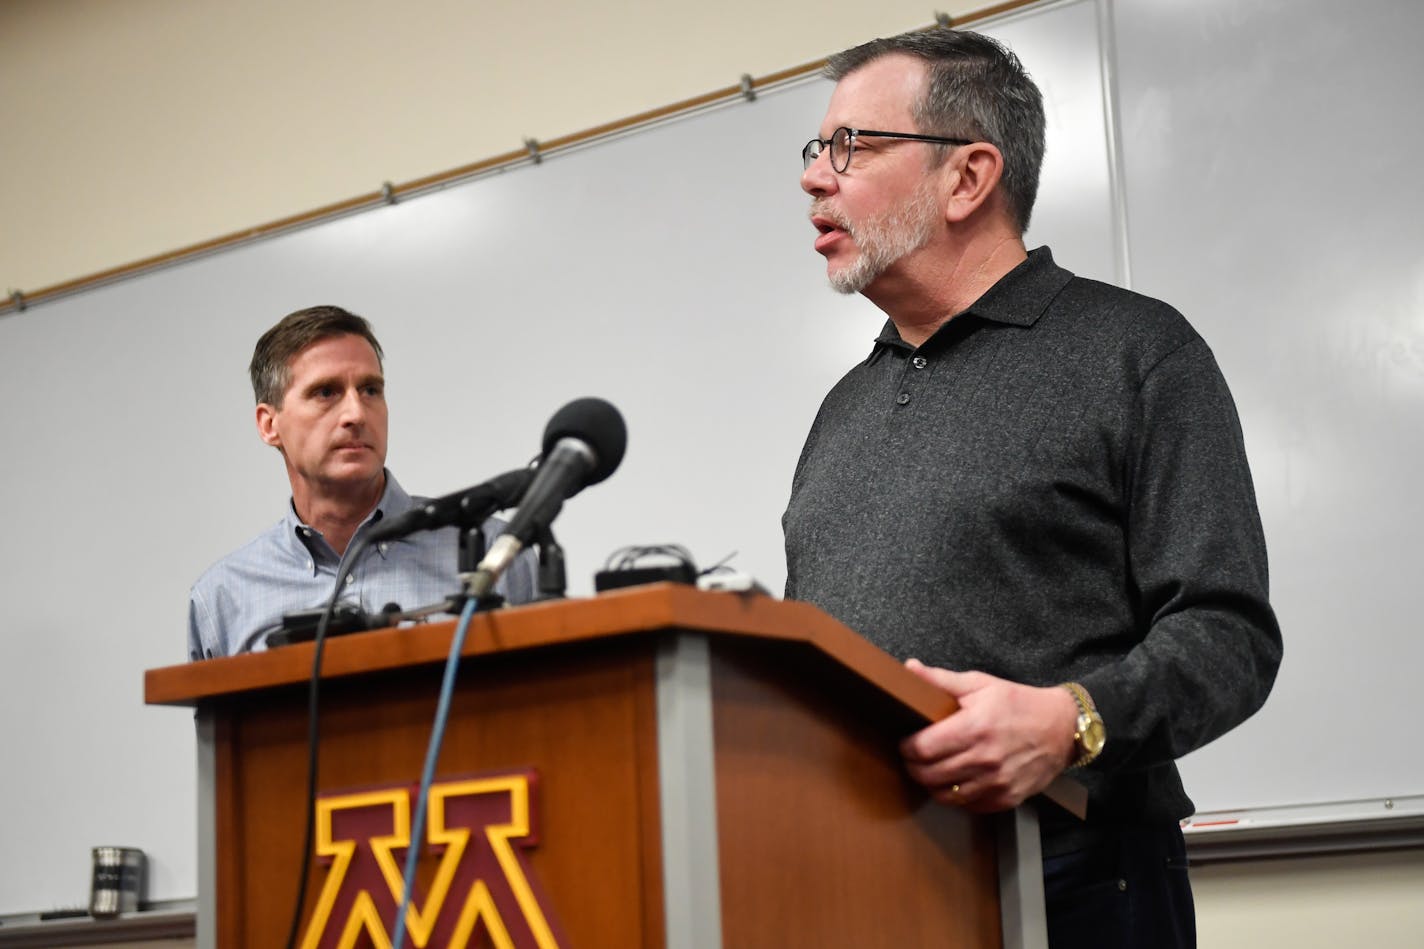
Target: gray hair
[977,89]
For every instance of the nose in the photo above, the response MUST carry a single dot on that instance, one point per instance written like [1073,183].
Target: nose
[353,407]
[819,179]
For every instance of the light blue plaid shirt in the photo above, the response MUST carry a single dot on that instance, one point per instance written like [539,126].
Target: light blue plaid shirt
[291,567]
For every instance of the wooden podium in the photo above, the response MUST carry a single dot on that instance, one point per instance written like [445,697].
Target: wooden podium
[700,769]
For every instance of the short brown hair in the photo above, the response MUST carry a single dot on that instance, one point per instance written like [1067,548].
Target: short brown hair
[271,366]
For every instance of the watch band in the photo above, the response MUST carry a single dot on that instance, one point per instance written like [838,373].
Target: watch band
[1089,733]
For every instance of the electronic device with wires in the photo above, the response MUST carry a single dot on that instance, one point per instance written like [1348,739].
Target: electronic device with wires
[659,563]
[300,627]
[650,563]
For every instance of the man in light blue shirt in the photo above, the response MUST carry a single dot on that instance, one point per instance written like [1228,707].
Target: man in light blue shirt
[321,402]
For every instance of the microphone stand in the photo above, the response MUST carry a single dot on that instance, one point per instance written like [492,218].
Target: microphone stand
[471,552]
[553,578]
[472,549]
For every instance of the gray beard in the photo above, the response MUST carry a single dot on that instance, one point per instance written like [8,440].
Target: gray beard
[886,239]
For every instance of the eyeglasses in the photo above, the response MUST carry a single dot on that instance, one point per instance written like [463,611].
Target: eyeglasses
[842,145]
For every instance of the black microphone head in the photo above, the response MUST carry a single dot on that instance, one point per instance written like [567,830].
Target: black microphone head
[596,423]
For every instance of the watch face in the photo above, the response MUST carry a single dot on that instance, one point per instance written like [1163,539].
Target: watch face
[1094,735]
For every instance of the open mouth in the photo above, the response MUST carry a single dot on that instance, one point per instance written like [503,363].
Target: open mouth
[827,229]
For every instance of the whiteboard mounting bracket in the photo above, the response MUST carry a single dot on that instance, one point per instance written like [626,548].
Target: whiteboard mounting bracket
[533,148]
[748,92]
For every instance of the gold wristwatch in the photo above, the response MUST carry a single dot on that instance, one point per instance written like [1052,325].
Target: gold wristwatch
[1089,734]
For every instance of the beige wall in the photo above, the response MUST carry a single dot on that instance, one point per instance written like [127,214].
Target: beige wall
[135,127]
[1358,901]
[130,128]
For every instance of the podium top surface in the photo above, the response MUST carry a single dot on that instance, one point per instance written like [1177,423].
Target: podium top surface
[653,609]
[660,608]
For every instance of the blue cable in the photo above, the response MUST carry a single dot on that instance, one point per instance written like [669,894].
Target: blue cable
[432,752]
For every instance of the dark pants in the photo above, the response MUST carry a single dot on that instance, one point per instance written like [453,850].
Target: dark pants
[1127,890]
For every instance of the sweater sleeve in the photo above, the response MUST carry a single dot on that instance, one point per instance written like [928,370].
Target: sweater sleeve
[1197,570]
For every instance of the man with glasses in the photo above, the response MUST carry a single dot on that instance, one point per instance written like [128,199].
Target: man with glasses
[1034,489]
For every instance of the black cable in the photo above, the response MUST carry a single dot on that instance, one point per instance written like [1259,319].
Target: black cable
[625,558]
[358,547]
[720,566]
[313,723]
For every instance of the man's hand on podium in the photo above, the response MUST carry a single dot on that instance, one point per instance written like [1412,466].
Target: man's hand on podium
[1006,743]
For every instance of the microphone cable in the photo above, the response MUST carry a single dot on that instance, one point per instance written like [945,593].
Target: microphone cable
[427,776]
[313,730]
[359,546]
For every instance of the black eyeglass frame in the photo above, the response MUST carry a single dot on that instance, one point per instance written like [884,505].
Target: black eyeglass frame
[828,144]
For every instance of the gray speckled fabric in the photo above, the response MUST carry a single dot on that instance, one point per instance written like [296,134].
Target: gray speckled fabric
[1052,487]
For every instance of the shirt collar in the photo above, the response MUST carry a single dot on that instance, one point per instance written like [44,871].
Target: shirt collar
[1019,298]
[394,500]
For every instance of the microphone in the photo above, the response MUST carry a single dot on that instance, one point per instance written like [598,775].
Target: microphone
[583,444]
[467,508]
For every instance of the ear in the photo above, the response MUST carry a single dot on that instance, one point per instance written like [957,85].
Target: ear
[267,425]
[973,173]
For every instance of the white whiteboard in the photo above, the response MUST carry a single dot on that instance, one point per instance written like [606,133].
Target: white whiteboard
[1271,155]
[669,271]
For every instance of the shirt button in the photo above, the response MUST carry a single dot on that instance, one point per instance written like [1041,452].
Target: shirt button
[384,546]
[902,399]
[309,564]
[349,579]
[919,362]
